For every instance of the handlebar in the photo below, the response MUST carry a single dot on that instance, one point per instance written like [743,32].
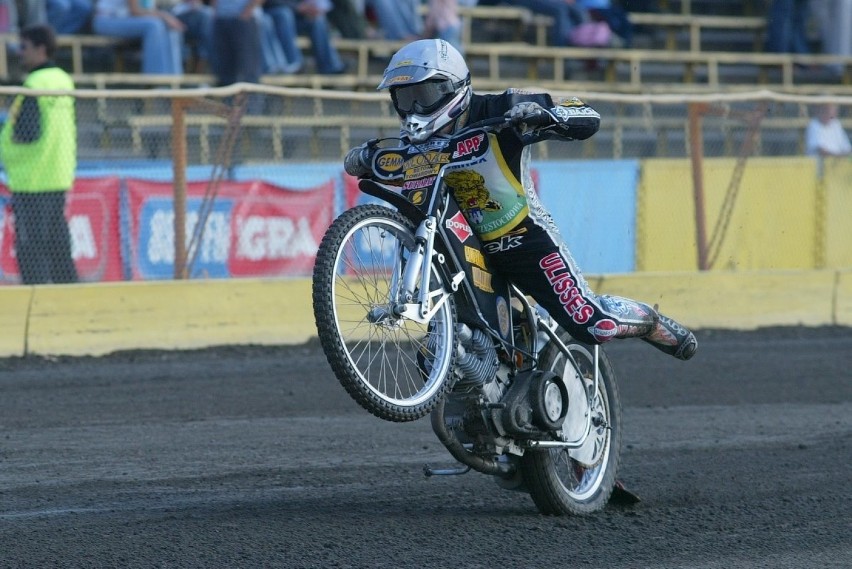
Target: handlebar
[539,118]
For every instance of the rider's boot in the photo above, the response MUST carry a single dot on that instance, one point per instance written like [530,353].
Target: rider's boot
[641,321]
[671,337]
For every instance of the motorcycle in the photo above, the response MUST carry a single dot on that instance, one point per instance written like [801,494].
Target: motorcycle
[414,323]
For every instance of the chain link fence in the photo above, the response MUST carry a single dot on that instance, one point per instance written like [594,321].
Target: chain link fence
[242,182]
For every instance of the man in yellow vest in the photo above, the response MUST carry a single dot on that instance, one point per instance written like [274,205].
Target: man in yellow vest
[38,147]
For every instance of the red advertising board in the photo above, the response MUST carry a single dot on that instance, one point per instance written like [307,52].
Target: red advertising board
[251,228]
[92,212]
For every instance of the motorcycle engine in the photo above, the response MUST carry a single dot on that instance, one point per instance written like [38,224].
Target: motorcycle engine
[479,385]
[476,360]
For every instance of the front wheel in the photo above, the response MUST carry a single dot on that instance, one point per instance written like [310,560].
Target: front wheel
[396,368]
[578,481]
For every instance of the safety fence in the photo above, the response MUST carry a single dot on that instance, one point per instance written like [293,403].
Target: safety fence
[242,181]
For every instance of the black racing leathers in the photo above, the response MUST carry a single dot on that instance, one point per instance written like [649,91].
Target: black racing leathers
[522,242]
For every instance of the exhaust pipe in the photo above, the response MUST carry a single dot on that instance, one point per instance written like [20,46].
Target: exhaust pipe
[461,454]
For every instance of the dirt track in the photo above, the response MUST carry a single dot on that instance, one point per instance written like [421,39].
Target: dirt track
[256,457]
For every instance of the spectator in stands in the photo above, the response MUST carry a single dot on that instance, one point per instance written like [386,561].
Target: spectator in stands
[197,19]
[835,24]
[443,22]
[825,135]
[614,15]
[785,26]
[38,146]
[652,6]
[31,12]
[161,33]
[348,19]
[306,16]
[8,18]
[69,16]
[398,19]
[236,41]
[566,14]
[272,57]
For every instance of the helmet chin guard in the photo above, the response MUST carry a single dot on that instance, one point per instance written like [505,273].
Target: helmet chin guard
[420,62]
[419,128]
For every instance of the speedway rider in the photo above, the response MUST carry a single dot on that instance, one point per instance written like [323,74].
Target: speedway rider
[429,84]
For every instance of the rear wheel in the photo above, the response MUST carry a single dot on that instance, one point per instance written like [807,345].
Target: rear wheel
[395,368]
[578,481]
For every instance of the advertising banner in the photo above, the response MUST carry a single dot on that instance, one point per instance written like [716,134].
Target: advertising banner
[92,211]
[249,229]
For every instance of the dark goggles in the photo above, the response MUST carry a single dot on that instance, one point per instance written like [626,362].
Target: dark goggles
[422,98]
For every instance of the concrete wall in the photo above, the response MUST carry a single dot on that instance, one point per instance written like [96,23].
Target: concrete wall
[95,319]
[774,221]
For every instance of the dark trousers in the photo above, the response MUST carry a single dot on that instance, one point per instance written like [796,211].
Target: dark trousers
[236,48]
[42,240]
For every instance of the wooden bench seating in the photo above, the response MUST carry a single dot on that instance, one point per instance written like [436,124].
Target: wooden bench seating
[498,56]
[520,19]
[634,62]
[670,23]
[496,66]
[694,24]
[747,7]
[73,42]
[353,82]
[616,131]
[277,125]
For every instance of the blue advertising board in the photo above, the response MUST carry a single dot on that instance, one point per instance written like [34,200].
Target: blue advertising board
[593,202]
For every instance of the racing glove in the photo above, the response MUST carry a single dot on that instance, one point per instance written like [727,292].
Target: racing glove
[357,161]
[530,114]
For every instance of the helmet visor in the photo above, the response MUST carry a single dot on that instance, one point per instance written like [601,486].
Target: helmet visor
[422,98]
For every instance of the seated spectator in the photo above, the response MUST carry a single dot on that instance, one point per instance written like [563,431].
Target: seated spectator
[161,33]
[397,19]
[197,18]
[614,15]
[348,19]
[652,6]
[825,135]
[31,12]
[291,17]
[566,14]
[785,26]
[272,57]
[443,22]
[69,16]
[835,25]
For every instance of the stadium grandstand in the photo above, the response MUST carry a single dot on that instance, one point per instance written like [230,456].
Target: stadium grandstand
[687,45]
[695,84]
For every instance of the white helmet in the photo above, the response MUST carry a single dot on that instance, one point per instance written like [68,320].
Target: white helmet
[429,85]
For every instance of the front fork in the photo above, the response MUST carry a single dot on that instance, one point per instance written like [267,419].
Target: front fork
[416,276]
